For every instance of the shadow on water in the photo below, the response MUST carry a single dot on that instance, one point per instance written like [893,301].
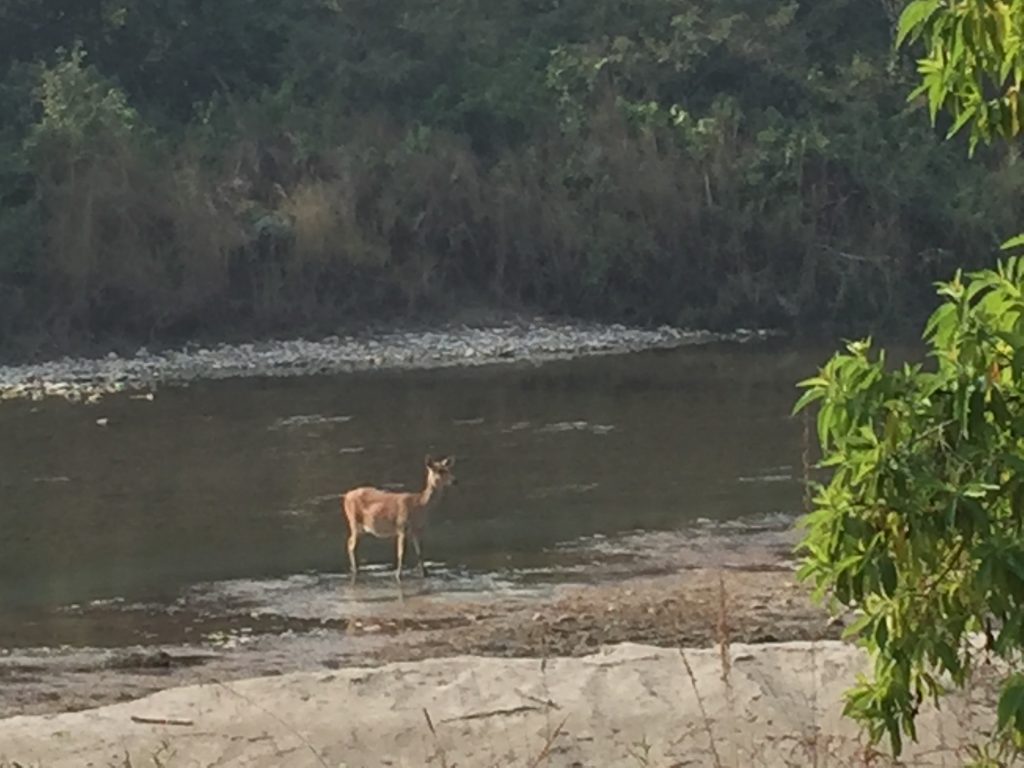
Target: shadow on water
[608,465]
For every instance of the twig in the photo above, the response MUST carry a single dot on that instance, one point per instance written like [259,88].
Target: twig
[538,699]
[160,720]
[805,458]
[550,742]
[954,560]
[725,653]
[291,728]
[815,727]
[155,757]
[703,711]
[488,713]
[439,752]
[723,632]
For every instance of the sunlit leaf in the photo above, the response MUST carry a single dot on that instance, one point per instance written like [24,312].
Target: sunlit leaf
[913,16]
[1014,242]
[927,479]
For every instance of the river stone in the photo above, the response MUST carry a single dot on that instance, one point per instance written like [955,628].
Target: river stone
[76,379]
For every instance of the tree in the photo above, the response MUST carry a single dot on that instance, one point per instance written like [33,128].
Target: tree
[973,65]
[713,162]
[920,528]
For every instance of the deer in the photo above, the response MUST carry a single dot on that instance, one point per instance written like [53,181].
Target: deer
[387,515]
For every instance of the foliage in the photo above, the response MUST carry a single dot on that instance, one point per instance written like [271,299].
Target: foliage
[920,528]
[174,168]
[974,63]
[79,111]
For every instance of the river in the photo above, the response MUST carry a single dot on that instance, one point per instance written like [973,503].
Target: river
[228,490]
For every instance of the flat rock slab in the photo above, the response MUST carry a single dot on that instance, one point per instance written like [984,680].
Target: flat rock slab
[628,705]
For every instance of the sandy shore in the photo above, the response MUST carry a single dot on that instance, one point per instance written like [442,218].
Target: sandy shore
[625,705]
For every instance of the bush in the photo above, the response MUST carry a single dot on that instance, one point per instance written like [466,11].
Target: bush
[920,528]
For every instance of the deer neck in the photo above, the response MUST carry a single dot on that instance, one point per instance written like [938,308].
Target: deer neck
[429,496]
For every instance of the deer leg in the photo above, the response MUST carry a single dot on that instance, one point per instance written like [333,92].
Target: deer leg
[401,551]
[353,539]
[419,556]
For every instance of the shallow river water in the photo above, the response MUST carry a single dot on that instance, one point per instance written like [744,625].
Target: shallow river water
[228,490]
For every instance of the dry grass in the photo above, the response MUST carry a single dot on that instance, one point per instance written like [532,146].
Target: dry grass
[706,720]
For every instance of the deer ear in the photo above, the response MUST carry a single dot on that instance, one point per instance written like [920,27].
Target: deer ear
[428,461]
[448,462]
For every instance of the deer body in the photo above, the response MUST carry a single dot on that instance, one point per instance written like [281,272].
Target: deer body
[389,515]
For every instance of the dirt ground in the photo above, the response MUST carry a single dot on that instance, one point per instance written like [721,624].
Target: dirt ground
[691,608]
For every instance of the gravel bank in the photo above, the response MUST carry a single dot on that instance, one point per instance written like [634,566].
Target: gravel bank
[88,379]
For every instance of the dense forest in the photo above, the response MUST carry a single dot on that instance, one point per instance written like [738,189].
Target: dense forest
[180,168]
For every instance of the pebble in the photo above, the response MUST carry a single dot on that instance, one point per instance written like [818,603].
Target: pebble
[79,379]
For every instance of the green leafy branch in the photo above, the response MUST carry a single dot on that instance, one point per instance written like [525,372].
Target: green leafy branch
[973,63]
[920,527]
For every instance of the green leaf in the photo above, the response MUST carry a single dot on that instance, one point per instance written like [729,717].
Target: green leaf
[913,16]
[941,321]
[1011,701]
[1017,362]
[813,381]
[1013,338]
[858,626]
[1014,242]
[965,115]
[887,575]
[895,737]
[1017,500]
[947,656]
[881,636]
[806,399]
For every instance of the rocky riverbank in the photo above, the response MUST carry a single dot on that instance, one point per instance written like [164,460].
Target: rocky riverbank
[88,379]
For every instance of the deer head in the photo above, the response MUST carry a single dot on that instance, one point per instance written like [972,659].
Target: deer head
[439,472]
